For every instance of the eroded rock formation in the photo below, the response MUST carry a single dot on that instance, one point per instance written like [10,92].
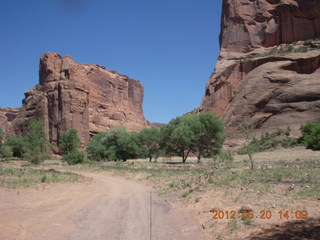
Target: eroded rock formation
[269,65]
[7,115]
[86,97]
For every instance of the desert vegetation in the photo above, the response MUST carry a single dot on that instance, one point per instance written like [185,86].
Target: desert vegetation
[25,177]
[201,135]
[32,147]
[185,158]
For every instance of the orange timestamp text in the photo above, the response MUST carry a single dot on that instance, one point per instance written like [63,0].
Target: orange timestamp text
[263,214]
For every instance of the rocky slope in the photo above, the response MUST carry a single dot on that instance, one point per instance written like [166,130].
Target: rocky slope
[86,97]
[269,64]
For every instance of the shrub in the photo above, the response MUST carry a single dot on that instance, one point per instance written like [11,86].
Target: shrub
[73,157]
[18,145]
[270,141]
[34,146]
[69,144]
[225,155]
[115,144]
[247,129]
[96,150]
[5,152]
[36,137]
[1,137]
[69,141]
[311,135]
[34,155]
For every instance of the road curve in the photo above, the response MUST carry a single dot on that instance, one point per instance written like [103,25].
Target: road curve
[108,208]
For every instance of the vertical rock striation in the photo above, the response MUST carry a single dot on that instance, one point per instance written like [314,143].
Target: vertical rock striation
[86,97]
[7,115]
[269,64]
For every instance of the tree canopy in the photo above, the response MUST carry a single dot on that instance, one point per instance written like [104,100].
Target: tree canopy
[201,134]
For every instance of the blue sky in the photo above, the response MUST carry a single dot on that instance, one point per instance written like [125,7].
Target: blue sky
[170,46]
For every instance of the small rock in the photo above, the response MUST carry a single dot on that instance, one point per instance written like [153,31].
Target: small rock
[291,187]
[203,226]
[214,209]
[246,207]
[207,224]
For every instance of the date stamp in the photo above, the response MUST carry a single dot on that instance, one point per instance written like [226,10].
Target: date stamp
[263,214]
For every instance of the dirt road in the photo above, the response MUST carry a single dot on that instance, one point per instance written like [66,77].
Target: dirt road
[106,208]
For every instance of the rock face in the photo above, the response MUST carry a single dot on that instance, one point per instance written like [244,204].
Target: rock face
[269,65]
[7,115]
[85,97]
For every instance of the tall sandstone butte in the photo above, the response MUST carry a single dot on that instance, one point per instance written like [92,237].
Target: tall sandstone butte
[269,64]
[86,97]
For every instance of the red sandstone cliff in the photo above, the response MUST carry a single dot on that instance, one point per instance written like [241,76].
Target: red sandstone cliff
[269,65]
[7,115]
[86,97]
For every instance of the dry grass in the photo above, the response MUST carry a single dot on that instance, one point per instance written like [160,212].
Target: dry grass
[26,177]
[285,179]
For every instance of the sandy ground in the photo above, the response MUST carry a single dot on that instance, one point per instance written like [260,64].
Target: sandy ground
[105,207]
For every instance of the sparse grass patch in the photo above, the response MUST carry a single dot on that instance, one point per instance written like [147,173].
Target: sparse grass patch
[26,177]
[185,194]
[233,225]
[263,180]
[248,222]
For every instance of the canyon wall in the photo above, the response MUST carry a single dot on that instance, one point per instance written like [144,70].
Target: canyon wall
[7,115]
[269,64]
[86,97]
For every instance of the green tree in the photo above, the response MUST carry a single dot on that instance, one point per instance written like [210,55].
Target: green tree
[209,134]
[37,144]
[96,150]
[18,145]
[115,144]
[201,134]
[149,140]
[311,135]
[1,137]
[5,152]
[69,141]
[70,144]
[36,136]
[177,137]
[247,129]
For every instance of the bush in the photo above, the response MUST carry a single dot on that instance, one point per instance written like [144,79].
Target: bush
[69,144]
[1,137]
[5,152]
[73,157]
[311,135]
[225,155]
[69,141]
[279,138]
[34,155]
[18,145]
[95,149]
[115,144]
[37,144]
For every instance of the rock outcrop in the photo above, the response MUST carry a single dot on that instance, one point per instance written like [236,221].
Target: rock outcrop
[269,64]
[86,97]
[7,115]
